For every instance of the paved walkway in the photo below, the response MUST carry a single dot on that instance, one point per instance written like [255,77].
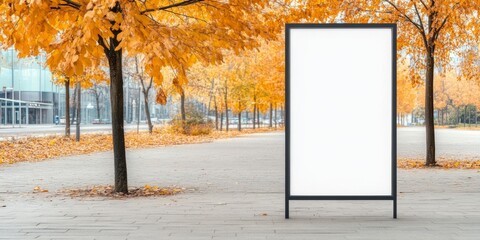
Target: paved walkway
[450,143]
[238,195]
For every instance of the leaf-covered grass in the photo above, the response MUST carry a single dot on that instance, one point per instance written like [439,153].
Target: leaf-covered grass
[441,164]
[475,127]
[40,148]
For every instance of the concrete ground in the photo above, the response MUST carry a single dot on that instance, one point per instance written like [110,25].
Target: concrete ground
[450,143]
[235,191]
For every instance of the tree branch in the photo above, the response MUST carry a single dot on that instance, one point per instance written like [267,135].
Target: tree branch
[404,15]
[179,4]
[418,15]
[184,15]
[72,4]
[437,31]
[424,4]
[101,42]
[424,35]
[150,84]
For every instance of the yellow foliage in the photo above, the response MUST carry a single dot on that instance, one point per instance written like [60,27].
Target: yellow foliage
[77,35]
[34,149]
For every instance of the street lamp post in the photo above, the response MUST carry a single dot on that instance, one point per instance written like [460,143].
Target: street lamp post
[5,90]
[5,108]
[13,109]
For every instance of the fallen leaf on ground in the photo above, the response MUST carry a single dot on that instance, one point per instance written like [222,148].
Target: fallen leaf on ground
[40,148]
[107,191]
[441,164]
[38,189]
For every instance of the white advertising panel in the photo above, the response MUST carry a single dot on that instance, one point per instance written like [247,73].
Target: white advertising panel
[341,104]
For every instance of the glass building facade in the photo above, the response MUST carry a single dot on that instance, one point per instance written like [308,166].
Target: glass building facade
[29,96]
[27,93]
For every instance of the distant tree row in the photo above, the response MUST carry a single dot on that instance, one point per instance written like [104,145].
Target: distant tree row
[457,100]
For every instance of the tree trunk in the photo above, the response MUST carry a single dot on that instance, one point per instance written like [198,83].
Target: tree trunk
[97,99]
[429,121]
[258,117]
[465,116]
[226,120]
[79,110]
[182,106]
[458,115]
[275,116]
[446,115]
[254,114]
[270,125]
[74,105]
[114,58]
[147,111]
[210,99]
[469,117]
[240,121]
[439,117]
[67,107]
[226,111]
[145,91]
[216,116]
[476,117]
[221,121]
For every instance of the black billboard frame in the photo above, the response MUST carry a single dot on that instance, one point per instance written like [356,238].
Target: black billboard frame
[393,196]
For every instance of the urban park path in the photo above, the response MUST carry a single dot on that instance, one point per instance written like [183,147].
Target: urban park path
[235,190]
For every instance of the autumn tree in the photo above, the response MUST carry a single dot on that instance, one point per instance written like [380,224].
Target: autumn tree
[204,87]
[271,75]
[135,69]
[442,92]
[405,92]
[430,32]
[251,80]
[80,33]
[89,79]
[239,91]
[463,93]
[99,91]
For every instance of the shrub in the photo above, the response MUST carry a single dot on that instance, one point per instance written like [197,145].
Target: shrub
[195,123]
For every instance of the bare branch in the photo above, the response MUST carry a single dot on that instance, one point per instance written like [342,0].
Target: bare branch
[179,4]
[437,31]
[424,4]
[418,16]
[71,4]
[184,15]
[404,15]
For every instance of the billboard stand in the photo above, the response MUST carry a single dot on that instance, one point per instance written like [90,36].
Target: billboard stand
[340,112]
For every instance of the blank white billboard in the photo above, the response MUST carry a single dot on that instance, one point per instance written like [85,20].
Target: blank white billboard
[340,111]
